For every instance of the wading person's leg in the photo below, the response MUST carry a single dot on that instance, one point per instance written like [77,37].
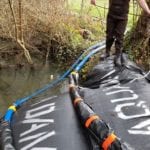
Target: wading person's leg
[110,30]
[119,35]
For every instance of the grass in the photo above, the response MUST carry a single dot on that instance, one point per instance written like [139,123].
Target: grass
[100,11]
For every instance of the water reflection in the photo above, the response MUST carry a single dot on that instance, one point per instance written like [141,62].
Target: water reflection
[18,83]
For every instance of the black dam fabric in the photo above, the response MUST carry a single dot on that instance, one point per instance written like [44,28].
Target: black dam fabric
[118,95]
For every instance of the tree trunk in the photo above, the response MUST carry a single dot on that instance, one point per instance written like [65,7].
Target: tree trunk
[139,41]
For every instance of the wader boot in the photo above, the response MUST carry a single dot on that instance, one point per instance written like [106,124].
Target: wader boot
[109,43]
[105,55]
[118,59]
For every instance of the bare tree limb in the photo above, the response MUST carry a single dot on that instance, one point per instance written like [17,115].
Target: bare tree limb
[18,29]
[14,18]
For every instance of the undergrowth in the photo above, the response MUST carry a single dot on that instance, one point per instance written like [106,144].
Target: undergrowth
[46,30]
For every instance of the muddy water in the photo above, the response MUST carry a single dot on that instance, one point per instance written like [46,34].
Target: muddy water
[18,83]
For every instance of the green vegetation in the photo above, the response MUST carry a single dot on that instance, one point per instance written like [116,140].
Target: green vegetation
[101,9]
[33,30]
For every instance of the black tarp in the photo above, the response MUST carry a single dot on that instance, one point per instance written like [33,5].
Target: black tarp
[48,123]
[119,95]
[122,98]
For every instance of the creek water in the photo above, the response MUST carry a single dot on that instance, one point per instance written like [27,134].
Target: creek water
[18,83]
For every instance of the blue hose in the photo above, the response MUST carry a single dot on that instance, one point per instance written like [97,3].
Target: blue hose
[77,65]
[86,58]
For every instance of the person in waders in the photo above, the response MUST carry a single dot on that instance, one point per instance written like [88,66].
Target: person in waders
[116,24]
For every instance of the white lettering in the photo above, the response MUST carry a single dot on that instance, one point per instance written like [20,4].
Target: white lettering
[33,112]
[38,121]
[121,115]
[129,102]
[134,97]
[114,87]
[40,139]
[34,127]
[138,129]
[44,100]
[120,91]
[32,137]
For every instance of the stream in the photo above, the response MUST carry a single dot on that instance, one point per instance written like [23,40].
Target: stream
[18,83]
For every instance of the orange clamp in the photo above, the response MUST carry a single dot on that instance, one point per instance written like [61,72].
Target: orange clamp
[90,120]
[77,100]
[108,141]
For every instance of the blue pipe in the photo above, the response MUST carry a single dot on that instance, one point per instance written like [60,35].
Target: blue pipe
[86,58]
[8,115]
[22,100]
[95,48]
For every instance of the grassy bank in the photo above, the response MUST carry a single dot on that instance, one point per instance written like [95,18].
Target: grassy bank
[49,30]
